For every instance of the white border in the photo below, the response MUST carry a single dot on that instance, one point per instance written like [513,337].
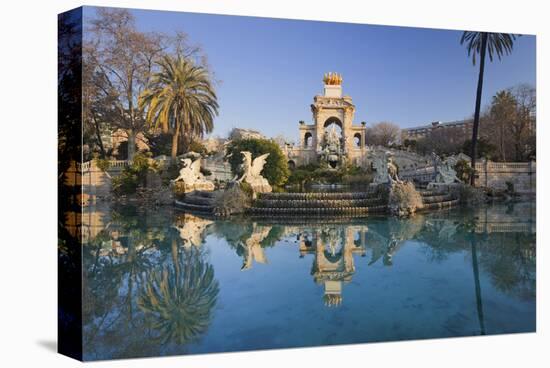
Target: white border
[28,180]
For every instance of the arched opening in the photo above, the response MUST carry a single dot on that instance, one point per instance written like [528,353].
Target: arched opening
[308,139]
[333,120]
[357,140]
[291,165]
[333,123]
[333,142]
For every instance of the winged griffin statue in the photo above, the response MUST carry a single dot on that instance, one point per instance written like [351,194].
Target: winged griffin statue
[251,172]
[191,176]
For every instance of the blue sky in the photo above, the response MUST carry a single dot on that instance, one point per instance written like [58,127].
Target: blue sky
[270,69]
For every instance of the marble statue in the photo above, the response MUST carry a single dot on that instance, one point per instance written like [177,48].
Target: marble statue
[252,170]
[191,177]
[331,149]
[444,174]
[392,171]
[386,170]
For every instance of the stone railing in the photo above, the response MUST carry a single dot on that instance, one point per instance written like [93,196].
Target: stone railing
[91,165]
[505,166]
[422,175]
[95,181]
[522,175]
[488,174]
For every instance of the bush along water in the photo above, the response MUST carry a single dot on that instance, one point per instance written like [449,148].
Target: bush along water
[235,199]
[404,199]
[134,175]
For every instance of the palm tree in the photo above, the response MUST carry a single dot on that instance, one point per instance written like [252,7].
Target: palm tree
[479,43]
[180,99]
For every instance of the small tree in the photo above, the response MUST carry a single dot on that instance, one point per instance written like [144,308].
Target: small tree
[276,168]
[502,114]
[463,170]
[133,175]
[384,133]
[484,148]
[523,127]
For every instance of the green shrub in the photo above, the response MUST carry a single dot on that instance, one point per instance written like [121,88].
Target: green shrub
[198,147]
[463,170]
[102,164]
[233,200]
[134,175]
[311,173]
[276,168]
[510,189]
[300,177]
[169,172]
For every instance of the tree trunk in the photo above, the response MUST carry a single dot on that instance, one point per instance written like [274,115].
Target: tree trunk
[131,144]
[175,256]
[502,152]
[175,139]
[98,136]
[478,106]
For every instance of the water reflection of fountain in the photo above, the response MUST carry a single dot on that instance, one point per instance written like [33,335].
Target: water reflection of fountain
[191,229]
[333,265]
[252,248]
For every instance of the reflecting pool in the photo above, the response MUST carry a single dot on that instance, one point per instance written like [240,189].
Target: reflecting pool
[166,282]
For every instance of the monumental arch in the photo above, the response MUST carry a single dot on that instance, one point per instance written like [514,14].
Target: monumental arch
[332,137]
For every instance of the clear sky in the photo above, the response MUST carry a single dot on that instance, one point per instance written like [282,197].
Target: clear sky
[270,69]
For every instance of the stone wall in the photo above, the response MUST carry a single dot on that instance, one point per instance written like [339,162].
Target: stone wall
[221,170]
[523,175]
[94,181]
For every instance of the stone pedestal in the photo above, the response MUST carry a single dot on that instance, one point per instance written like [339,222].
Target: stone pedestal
[203,185]
[333,91]
[259,185]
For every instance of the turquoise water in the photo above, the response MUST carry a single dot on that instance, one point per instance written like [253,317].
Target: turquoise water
[163,282]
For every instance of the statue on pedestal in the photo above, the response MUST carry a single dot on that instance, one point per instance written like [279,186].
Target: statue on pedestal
[443,171]
[332,148]
[191,177]
[252,172]
[386,170]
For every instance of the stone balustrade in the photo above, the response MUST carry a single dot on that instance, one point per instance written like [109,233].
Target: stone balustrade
[488,174]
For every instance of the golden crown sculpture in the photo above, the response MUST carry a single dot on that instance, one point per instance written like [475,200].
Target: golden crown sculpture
[332,79]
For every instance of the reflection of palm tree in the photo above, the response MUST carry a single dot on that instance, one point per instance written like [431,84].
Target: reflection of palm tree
[179,297]
[477,284]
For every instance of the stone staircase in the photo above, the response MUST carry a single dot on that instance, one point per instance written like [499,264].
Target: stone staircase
[434,200]
[197,201]
[350,203]
[326,205]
